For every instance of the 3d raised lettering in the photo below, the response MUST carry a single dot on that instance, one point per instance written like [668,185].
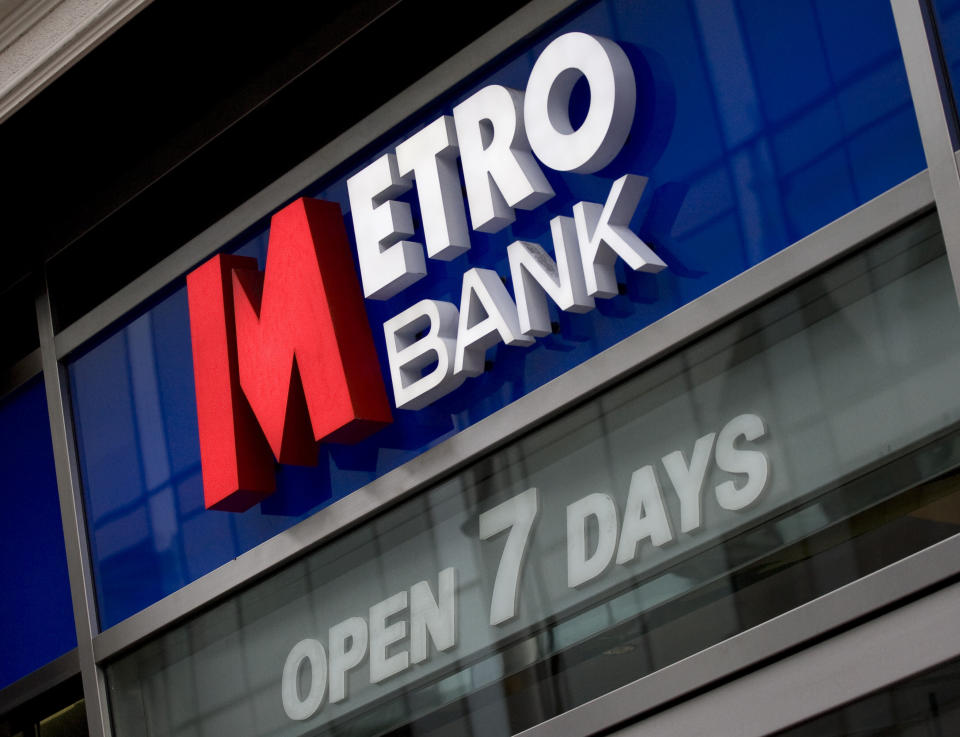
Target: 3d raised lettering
[535,276]
[613,101]
[430,156]
[499,171]
[388,262]
[421,336]
[286,355]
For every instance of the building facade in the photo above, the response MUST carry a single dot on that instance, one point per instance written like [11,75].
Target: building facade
[568,368]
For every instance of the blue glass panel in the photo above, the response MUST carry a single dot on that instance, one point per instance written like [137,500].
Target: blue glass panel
[757,123]
[36,616]
[948,24]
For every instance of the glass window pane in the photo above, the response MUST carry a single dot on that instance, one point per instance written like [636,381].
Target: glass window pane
[947,13]
[805,445]
[36,612]
[757,123]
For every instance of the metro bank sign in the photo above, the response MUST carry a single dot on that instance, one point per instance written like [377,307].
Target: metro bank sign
[285,358]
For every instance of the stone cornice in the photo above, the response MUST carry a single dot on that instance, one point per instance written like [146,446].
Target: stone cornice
[40,39]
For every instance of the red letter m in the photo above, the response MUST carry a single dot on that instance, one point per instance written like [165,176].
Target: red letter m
[282,359]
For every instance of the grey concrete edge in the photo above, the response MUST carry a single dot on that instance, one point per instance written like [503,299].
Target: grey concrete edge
[39,681]
[519,25]
[844,235]
[921,571]
[61,45]
[22,18]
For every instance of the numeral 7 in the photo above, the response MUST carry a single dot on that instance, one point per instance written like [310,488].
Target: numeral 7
[516,514]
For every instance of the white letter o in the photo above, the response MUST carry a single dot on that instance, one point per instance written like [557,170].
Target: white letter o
[546,107]
[293,705]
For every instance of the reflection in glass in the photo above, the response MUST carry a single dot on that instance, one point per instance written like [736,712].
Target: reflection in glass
[947,24]
[757,123]
[852,372]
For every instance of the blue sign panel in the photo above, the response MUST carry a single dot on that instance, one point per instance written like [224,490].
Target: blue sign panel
[756,123]
[36,617]
[948,25]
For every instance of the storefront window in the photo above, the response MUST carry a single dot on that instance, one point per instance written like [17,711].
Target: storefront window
[803,446]
[756,124]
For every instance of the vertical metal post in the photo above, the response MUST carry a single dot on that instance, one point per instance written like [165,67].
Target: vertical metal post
[74,524]
[932,101]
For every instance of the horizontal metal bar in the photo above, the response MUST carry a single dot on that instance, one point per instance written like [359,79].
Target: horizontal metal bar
[39,681]
[15,376]
[810,622]
[886,650]
[709,311]
[522,23]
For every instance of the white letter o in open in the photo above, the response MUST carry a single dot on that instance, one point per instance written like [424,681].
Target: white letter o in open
[293,705]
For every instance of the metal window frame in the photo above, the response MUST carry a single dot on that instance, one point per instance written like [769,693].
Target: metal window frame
[918,636]
[722,664]
[881,215]
[726,689]
[728,664]
[73,516]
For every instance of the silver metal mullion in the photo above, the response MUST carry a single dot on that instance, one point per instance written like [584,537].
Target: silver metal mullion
[74,524]
[929,88]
